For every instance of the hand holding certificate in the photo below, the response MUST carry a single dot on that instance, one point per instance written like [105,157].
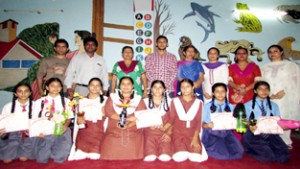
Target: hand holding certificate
[223,121]
[40,126]
[147,118]
[14,122]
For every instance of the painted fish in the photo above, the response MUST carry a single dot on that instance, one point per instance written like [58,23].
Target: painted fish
[203,13]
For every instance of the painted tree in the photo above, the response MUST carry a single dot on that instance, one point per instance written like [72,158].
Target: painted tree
[163,15]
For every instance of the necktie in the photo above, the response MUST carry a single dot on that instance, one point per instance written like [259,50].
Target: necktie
[24,107]
[220,108]
[263,111]
[53,106]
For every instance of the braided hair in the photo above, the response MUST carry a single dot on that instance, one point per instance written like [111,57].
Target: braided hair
[15,98]
[101,84]
[213,107]
[165,96]
[256,86]
[61,93]
[119,91]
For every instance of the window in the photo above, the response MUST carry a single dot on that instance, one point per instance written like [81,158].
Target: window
[17,64]
[10,64]
[27,63]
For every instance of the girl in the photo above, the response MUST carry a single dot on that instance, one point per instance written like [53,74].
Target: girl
[157,140]
[89,139]
[220,144]
[191,69]
[50,146]
[185,118]
[13,145]
[263,147]
[122,140]
[215,71]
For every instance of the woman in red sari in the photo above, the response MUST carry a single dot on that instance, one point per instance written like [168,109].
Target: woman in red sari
[242,77]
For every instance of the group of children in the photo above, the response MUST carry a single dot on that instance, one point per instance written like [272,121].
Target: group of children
[180,137]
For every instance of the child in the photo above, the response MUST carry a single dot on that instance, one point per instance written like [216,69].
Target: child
[17,144]
[215,71]
[50,146]
[220,144]
[89,139]
[122,140]
[263,147]
[185,118]
[158,141]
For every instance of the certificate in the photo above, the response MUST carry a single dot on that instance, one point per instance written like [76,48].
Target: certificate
[40,126]
[14,122]
[147,118]
[223,121]
[268,125]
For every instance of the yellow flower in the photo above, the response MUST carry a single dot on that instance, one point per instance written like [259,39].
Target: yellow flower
[76,94]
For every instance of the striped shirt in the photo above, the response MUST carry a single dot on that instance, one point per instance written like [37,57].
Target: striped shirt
[161,68]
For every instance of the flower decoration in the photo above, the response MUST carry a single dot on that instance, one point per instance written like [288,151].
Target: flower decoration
[75,99]
[125,103]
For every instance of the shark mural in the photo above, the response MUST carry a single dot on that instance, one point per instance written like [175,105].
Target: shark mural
[204,15]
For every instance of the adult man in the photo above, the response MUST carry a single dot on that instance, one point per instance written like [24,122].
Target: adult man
[162,65]
[85,66]
[54,66]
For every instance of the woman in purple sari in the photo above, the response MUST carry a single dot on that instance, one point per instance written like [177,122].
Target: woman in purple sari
[190,69]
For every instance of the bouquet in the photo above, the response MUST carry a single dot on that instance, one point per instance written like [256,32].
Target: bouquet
[59,119]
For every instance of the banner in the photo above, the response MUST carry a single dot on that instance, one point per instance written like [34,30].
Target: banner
[143,28]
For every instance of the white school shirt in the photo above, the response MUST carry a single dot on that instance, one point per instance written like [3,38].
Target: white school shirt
[48,102]
[18,108]
[82,68]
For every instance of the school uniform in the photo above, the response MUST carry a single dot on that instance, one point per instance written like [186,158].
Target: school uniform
[220,144]
[185,117]
[88,140]
[17,144]
[54,147]
[154,146]
[264,147]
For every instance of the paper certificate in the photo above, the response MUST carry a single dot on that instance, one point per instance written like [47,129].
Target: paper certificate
[147,118]
[40,126]
[14,122]
[223,121]
[268,125]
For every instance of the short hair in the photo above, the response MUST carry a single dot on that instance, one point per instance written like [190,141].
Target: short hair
[61,41]
[275,46]
[127,47]
[90,39]
[239,48]
[218,51]
[161,37]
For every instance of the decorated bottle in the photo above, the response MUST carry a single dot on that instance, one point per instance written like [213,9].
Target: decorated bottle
[58,129]
[123,117]
[241,126]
